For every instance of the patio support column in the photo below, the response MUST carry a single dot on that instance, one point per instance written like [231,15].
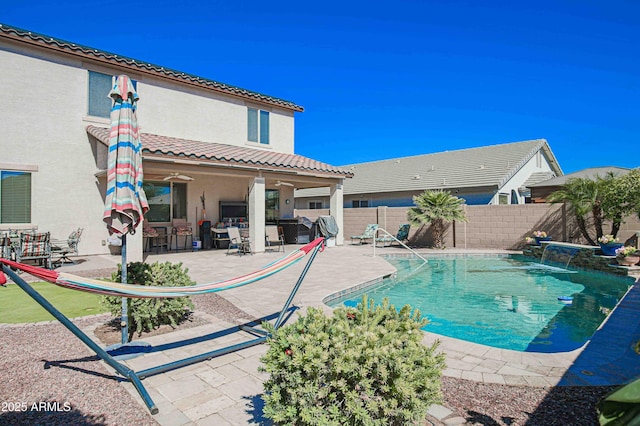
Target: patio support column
[336,209]
[257,214]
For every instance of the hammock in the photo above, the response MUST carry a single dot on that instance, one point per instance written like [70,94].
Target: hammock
[131,290]
[109,288]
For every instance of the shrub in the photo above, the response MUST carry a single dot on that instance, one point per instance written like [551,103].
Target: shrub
[364,366]
[148,314]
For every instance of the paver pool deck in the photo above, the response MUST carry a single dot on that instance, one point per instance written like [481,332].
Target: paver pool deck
[227,389]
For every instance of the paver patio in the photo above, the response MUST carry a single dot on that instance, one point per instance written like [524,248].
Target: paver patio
[226,390]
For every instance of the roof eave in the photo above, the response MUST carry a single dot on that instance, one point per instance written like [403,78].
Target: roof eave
[103,57]
[544,146]
[158,155]
[226,164]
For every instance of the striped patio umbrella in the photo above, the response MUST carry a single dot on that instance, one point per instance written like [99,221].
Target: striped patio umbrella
[126,202]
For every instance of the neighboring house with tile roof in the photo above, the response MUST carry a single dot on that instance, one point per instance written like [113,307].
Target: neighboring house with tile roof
[496,174]
[541,190]
[236,145]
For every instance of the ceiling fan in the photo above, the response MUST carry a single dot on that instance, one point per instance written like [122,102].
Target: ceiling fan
[280,183]
[176,175]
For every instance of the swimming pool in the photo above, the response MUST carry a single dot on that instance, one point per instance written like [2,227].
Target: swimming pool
[501,301]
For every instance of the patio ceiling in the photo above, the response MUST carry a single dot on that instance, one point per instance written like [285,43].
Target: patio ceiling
[208,154]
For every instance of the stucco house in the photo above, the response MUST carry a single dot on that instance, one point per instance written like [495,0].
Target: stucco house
[541,190]
[496,174]
[201,138]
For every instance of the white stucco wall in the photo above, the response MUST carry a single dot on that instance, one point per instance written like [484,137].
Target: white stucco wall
[44,127]
[522,175]
[199,115]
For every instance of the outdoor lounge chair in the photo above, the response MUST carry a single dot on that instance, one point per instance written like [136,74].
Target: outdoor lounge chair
[273,239]
[61,249]
[368,234]
[238,242]
[35,246]
[402,236]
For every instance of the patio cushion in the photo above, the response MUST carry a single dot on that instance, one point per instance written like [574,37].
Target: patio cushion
[35,244]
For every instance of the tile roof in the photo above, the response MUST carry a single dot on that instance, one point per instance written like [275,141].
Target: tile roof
[221,154]
[589,173]
[537,178]
[489,166]
[124,62]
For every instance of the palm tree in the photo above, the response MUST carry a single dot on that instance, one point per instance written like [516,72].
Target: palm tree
[604,198]
[583,197]
[438,208]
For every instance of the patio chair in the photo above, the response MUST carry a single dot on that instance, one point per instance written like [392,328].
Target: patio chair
[61,249]
[181,228]
[368,234]
[155,237]
[35,246]
[237,242]
[5,245]
[273,239]
[402,236]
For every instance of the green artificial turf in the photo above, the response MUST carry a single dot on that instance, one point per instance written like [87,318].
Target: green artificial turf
[17,307]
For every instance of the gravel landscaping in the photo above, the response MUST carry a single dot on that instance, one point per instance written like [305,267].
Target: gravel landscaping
[78,389]
[494,404]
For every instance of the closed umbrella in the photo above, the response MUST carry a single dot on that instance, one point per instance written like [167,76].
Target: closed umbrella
[126,202]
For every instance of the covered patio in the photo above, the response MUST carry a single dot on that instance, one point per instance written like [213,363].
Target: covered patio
[223,185]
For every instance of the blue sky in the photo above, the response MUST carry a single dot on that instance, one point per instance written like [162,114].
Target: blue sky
[389,79]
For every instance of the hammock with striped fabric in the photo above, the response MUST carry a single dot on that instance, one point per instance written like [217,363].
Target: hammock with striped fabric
[109,288]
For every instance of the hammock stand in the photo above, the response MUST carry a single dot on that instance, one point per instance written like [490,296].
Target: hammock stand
[135,377]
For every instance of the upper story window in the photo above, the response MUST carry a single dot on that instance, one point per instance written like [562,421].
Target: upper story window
[258,126]
[15,197]
[359,203]
[315,205]
[99,87]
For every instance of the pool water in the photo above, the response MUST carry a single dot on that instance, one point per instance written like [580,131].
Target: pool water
[504,302]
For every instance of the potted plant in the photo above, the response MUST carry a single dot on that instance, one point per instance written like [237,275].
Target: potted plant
[609,244]
[627,256]
[540,236]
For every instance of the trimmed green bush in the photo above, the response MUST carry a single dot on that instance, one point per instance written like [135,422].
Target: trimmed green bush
[361,366]
[149,314]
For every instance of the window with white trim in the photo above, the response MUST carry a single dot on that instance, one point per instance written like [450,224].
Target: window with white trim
[315,205]
[15,197]
[258,126]
[359,203]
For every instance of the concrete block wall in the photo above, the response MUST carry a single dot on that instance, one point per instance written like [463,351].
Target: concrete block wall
[356,221]
[630,232]
[311,214]
[494,227]
[506,226]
